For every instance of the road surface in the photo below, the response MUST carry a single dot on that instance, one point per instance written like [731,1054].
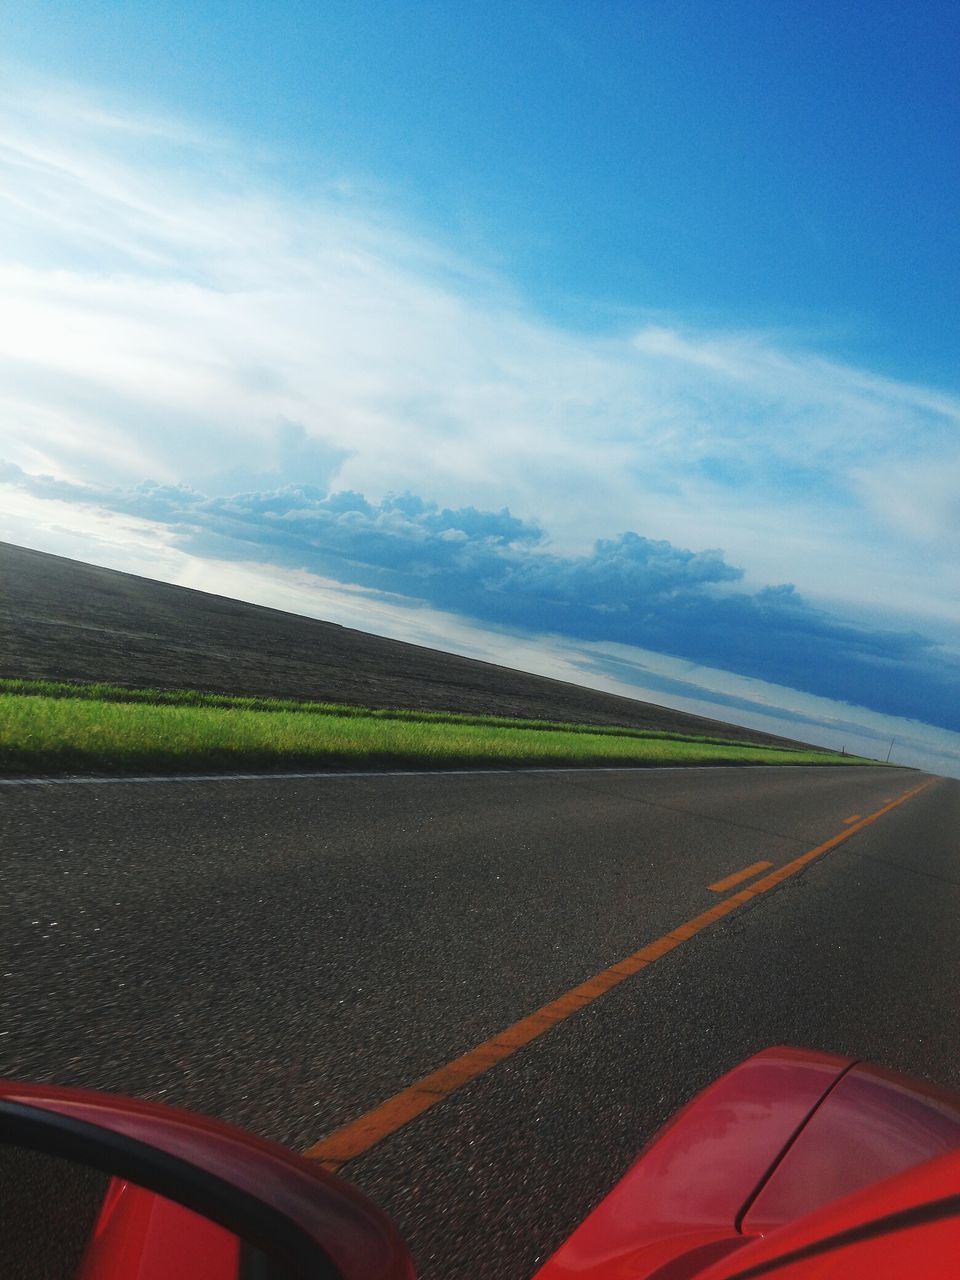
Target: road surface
[291,953]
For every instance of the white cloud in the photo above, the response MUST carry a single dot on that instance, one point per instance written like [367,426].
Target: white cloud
[921,499]
[170,311]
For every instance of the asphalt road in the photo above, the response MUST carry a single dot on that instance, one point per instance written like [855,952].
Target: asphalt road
[288,953]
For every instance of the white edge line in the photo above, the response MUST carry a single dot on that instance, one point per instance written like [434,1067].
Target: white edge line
[89,781]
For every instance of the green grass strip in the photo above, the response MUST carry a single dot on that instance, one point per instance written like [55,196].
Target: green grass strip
[43,735]
[249,702]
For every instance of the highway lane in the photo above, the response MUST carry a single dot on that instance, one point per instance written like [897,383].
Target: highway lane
[289,953]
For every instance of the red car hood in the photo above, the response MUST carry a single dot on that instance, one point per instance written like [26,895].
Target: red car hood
[904,1226]
[784,1133]
[872,1125]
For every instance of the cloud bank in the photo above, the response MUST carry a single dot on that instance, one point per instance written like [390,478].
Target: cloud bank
[499,569]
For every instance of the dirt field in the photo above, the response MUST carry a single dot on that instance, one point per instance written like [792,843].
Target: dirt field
[64,620]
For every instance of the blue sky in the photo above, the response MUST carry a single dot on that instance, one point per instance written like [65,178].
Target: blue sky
[564,333]
[753,162]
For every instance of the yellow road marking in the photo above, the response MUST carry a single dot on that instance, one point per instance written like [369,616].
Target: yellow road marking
[358,1136]
[721,886]
[854,818]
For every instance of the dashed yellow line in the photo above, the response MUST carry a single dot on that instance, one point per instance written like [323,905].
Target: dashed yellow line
[728,882]
[358,1136]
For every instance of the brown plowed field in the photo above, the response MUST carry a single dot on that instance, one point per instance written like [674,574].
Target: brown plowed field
[64,620]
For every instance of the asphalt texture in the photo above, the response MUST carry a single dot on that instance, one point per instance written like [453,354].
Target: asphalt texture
[286,954]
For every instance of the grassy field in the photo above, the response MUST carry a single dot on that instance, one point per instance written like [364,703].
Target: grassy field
[227,701]
[58,729]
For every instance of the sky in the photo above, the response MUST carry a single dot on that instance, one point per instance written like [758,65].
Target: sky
[614,341]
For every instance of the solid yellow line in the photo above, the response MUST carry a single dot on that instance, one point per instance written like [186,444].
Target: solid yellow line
[358,1136]
[721,886]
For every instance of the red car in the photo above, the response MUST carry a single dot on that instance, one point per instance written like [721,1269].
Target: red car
[796,1165]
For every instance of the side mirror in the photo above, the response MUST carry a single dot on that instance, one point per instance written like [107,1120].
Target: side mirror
[99,1187]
